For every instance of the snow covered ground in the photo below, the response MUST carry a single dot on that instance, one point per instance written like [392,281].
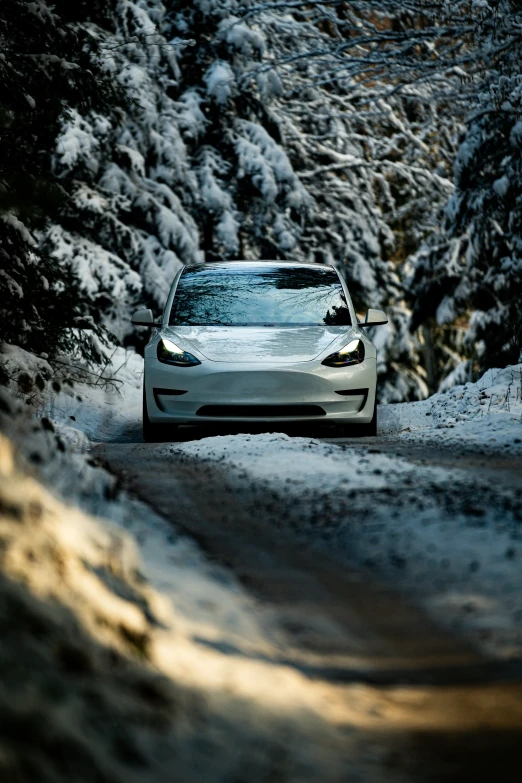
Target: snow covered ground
[445,537]
[485,414]
[99,406]
[449,537]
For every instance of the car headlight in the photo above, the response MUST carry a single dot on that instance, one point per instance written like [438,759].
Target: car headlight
[169,353]
[353,353]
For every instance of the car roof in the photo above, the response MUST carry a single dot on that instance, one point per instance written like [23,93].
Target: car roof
[259,262]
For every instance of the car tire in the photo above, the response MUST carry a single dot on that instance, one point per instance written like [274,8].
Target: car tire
[360,430]
[156,433]
[370,429]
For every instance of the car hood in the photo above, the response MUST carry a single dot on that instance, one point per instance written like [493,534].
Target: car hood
[258,343]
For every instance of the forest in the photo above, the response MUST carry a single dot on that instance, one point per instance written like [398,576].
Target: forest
[381,137]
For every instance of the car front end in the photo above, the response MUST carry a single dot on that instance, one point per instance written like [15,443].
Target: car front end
[237,386]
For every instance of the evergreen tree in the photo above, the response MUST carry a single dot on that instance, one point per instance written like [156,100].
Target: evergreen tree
[468,279]
[46,68]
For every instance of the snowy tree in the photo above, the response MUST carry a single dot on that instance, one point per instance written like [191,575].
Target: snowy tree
[443,54]
[45,67]
[467,278]
[214,152]
[125,227]
[203,162]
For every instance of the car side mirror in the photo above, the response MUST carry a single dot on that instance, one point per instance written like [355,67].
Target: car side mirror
[143,318]
[375,318]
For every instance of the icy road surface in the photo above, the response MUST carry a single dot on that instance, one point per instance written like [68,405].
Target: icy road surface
[438,526]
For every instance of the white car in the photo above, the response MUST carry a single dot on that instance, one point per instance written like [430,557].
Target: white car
[259,341]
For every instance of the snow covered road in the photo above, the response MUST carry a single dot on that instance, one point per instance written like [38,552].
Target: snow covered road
[383,569]
[379,564]
[431,508]
[440,527]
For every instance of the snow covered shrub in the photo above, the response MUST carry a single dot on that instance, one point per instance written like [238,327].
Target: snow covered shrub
[42,306]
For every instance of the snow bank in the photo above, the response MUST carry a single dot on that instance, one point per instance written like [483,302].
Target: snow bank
[106,404]
[487,413]
[82,403]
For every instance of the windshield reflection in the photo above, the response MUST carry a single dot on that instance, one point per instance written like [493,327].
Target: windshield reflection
[230,296]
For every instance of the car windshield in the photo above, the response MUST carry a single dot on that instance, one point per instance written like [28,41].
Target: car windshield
[255,295]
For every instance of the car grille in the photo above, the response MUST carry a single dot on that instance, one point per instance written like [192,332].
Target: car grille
[260,411]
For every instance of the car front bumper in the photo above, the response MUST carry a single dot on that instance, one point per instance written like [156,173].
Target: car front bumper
[242,392]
